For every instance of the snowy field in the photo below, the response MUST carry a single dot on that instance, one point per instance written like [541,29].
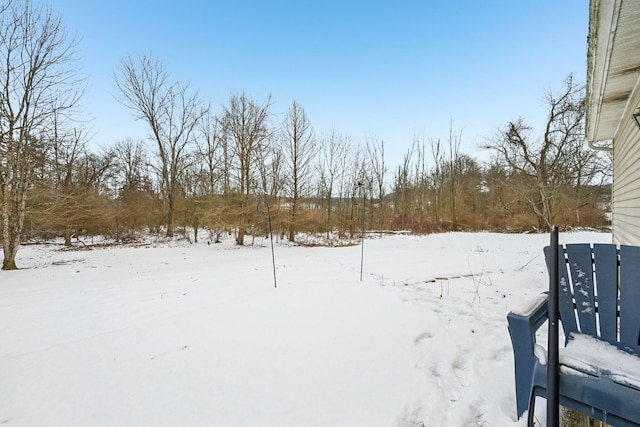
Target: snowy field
[184,335]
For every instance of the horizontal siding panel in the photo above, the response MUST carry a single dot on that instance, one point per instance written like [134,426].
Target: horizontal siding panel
[629,212]
[632,151]
[627,217]
[626,173]
[625,142]
[627,193]
[627,236]
[626,163]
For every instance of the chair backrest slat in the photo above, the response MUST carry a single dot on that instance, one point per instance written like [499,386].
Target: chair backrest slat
[580,265]
[589,291]
[630,296]
[565,303]
[606,262]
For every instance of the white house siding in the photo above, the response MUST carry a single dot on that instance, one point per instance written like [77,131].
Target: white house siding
[613,95]
[626,184]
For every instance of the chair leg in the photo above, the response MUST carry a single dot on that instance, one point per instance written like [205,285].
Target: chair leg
[532,407]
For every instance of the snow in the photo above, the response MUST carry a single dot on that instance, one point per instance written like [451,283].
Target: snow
[591,356]
[526,308]
[178,334]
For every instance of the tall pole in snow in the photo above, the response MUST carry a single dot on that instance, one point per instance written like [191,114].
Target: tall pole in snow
[273,256]
[553,374]
[363,192]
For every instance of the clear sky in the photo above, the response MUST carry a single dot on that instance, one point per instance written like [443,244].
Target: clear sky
[389,69]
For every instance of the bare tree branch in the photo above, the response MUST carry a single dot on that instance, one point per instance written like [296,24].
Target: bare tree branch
[171,112]
[39,82]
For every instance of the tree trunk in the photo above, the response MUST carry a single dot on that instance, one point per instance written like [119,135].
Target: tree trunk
[329,216]
[242,228]
[10,236]
[10,251]
[11,242]
[14,204]
[67,236]
[240,236]
[292,225]
[170,215]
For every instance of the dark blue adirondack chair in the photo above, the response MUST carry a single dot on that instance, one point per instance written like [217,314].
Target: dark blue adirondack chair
[599,304]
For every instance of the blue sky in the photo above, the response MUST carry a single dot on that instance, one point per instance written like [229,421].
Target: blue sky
[388,69]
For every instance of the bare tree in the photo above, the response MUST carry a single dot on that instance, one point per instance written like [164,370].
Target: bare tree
[375,151]
[272,179]
[454,172]
[245,122]
[333,152]
[67,149]
[378,171]
[590,170]
[130,160]
[210,151]
[272,185]
[437,176]
[137,202]
[403,186]
[543,162]
[300,149]
[171,112]
[421,184]
[38,79]
[357,183]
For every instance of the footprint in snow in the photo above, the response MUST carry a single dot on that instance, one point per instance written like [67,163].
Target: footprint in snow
[184,347]
[423,337]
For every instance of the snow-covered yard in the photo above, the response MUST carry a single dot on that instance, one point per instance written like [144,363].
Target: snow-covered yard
[177,334]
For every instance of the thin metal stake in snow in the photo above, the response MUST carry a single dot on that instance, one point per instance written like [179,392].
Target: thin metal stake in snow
[364,209]
[273,256]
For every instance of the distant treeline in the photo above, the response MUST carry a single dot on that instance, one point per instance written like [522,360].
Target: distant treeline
[221,170]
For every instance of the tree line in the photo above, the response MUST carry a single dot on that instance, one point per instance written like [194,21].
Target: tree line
[214,171]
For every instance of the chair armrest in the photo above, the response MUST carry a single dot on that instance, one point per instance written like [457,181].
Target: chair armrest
[525,321]
[523,324]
